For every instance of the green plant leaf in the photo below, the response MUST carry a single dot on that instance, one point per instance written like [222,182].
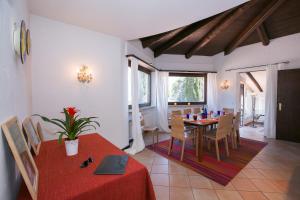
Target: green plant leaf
[51,121]
[60,138]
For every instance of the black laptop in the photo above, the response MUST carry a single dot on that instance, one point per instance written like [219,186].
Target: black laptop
[112,164]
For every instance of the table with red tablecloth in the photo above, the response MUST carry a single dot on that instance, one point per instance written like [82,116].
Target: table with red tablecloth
[60,176]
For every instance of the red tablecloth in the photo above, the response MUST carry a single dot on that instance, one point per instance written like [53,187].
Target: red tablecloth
[60,177]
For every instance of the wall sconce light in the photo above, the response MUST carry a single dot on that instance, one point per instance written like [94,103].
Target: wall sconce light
[84,76]
[225,85]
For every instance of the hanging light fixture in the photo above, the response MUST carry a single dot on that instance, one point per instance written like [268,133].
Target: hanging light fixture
[225,85]
[84,76]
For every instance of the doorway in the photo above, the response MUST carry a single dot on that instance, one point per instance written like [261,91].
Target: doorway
[288,107]
[252,98]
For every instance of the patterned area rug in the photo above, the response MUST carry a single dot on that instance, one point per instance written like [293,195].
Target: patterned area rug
[222,172]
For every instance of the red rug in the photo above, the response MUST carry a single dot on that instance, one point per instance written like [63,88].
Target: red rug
[222,172]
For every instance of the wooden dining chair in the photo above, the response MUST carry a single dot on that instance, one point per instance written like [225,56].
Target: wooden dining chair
[176,112]
[197,110]
[150,129]
[178,132]
[191,128]
[187,111]
[224,128]
[228,110]
[236,128]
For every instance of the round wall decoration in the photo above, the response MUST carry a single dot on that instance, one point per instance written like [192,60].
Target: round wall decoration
[28,42]
[20,41]
[23,41]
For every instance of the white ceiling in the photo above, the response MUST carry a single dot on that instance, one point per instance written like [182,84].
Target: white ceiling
[130,19]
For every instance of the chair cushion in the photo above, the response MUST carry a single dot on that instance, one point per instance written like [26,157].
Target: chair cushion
[151,129]
[188,128]
[210,134]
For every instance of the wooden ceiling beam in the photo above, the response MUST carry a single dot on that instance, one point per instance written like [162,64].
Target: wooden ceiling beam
[151,40]
[180,36]
[254,24]
[263,35]
[219,28]
[254,81]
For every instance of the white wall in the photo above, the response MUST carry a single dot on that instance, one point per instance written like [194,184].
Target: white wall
[14,88]
[135,47]
[280,49]
[179,62]
[58,52]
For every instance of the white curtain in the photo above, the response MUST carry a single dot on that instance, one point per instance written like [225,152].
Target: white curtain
[162,101]
[237,82]
[212,95]
[271,101]
[138,141]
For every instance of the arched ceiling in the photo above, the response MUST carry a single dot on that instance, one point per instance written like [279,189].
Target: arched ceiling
[130,19]
[252,22]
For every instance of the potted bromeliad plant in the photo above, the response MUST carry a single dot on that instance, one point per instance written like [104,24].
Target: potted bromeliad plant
[71,127]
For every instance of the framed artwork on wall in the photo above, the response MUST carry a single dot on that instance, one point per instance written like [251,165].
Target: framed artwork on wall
[32,135]
[22,155]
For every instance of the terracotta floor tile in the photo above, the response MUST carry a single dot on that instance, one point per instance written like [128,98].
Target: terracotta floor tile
[181,193]
[218,186]
[277,196]
[276,174]
[283,186]
[265,185]
[241,175]
[252,195]
[160,179]
[179,181]
[160,161]
[228,195]
[200,182]
[252,173]
[177,169]
[162,192]
[160,169]
[248,166]
[192,173]
[205,194]
[146,153]
[260,165]
[144,160]
[148,166]
[243,184]
[273,171]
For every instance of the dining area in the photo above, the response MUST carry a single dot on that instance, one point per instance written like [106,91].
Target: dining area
[204,129]
[208,143]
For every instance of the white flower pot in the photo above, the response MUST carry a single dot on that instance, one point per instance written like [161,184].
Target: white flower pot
[71,147]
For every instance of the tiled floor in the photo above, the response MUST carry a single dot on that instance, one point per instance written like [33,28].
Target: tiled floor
[273,174]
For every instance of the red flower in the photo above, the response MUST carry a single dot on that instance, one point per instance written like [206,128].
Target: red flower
[72,111]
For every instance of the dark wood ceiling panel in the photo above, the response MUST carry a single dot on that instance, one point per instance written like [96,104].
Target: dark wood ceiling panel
[189,41]
[155,40]
[285,21]
[282,21]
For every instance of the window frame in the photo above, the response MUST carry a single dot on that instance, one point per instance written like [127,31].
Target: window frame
[191,75]
[146,71]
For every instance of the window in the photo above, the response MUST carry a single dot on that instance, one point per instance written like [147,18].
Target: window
[187,88]
[144,77]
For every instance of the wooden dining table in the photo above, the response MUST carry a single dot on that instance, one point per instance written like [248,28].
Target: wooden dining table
[201,125]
